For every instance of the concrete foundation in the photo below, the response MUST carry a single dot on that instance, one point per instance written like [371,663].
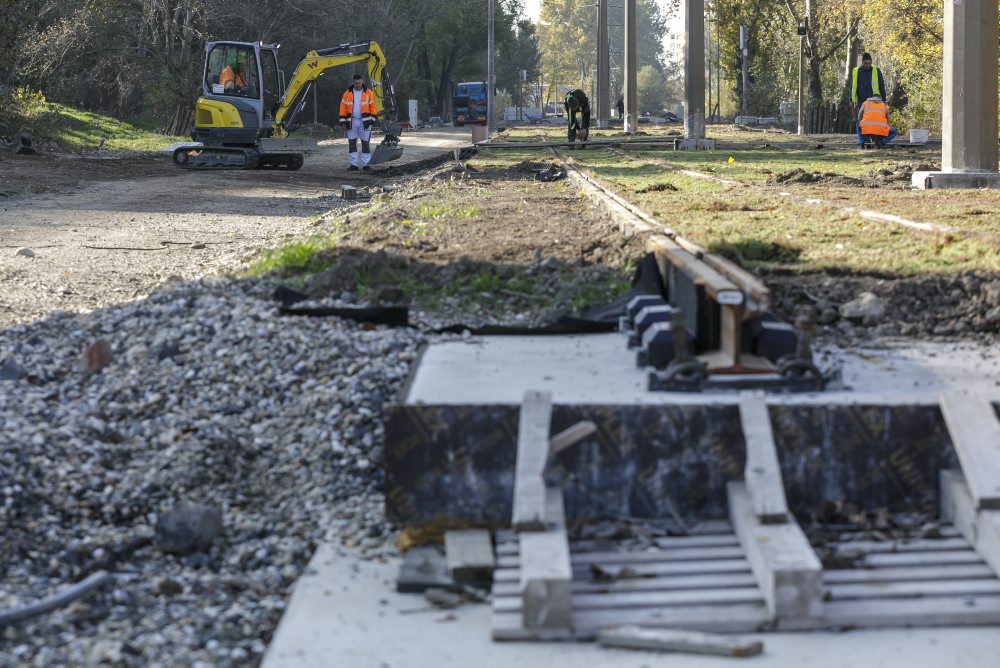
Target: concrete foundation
[451,443]
[694,145]
[955,180]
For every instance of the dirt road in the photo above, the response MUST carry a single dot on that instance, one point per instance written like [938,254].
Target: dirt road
[104,230]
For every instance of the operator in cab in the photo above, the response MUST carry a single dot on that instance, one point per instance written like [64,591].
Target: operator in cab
[234,79]
[357,116]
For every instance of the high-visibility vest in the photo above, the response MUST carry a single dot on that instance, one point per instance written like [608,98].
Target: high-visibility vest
[854,84]
[875,118]
[367,104]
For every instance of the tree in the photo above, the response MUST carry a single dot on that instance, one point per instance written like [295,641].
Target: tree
[567,35]
[520,54]
[651,87]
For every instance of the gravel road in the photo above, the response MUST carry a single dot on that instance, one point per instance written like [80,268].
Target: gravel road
[105,230]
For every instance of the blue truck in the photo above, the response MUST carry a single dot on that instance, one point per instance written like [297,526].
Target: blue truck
[469,103]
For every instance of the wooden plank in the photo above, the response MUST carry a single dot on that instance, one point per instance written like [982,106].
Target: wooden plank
[762,473]
[912,574]
[605,545]
[892,560]
[944,611]
[673,640]
[469,554]
[985,587]
[981,529]
[673,568]
[532,453]
[647,599]
[716,581]
[788,571]
[546,574]
[741,618]
[649,556]
[890,546]
[944,531]
[571,436]
[975,433]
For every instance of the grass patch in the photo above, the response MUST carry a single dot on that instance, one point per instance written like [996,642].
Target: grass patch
[74,130]
[308,256]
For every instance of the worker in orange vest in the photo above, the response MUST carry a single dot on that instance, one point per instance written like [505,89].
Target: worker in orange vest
[873,122]
[357,116]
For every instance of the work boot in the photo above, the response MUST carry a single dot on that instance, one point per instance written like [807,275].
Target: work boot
[352,168]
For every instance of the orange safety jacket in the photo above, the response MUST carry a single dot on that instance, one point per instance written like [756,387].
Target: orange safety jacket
[874,118]
[227,75]
[367,104]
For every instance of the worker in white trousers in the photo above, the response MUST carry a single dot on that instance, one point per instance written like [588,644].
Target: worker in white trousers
[357,116]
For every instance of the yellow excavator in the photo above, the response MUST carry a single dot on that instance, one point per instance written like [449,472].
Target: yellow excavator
[246,112]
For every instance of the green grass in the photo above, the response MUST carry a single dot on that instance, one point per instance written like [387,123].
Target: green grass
[74,130]
[301,257]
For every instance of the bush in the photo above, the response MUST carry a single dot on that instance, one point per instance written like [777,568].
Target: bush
[20,105]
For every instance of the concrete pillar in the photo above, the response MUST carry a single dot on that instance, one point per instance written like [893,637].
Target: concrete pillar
[969,150]
[694,69]
[631,97]
[970,86]
[491,79]
[603,62]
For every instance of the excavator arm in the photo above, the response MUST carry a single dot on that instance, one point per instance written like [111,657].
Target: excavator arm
[317,62]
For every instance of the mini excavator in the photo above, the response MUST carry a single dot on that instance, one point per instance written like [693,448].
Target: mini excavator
[246,112]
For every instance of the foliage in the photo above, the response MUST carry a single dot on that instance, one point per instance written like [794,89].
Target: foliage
[567,35]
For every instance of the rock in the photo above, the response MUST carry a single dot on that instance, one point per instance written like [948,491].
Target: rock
[167,350]
[169,587]
[188,527]
[550,264]
[828,316]
[24,252]
[867,309]
[11,370]
[991,293]
[97,356]
[442,598]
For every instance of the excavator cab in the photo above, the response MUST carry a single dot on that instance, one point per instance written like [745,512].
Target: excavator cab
[246,112]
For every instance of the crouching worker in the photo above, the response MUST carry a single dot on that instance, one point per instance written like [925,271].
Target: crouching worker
[577,108]
[873,122]
[357,116]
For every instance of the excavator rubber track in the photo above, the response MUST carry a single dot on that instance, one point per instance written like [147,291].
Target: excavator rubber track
[231,157]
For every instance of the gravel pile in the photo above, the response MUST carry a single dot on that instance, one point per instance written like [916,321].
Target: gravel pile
[212,404]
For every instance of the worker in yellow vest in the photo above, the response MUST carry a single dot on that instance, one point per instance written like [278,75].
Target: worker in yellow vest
[866,81]
[873,122]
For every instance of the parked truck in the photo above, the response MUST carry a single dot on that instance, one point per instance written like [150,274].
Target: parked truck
[469,103]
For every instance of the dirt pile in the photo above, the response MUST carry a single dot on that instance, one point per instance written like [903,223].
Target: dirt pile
[800,176]
[897,175]
[966,305]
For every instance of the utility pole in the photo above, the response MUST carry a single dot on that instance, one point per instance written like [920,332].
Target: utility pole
[491,79]
[631,98]
[745,57]
[802,59]
[694,70]
[603,61]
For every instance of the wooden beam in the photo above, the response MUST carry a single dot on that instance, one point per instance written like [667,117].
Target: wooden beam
[532,454]
[469,555]
[676,640]
[981,529]
[975,433]
[763,473]
[546,580]
[787,569]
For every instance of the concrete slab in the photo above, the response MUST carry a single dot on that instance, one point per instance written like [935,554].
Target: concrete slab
[469,555]
[955,180]
[599,369]
[343,612]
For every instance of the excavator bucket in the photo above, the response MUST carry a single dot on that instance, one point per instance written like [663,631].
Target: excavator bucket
[384,153]
[22,142]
